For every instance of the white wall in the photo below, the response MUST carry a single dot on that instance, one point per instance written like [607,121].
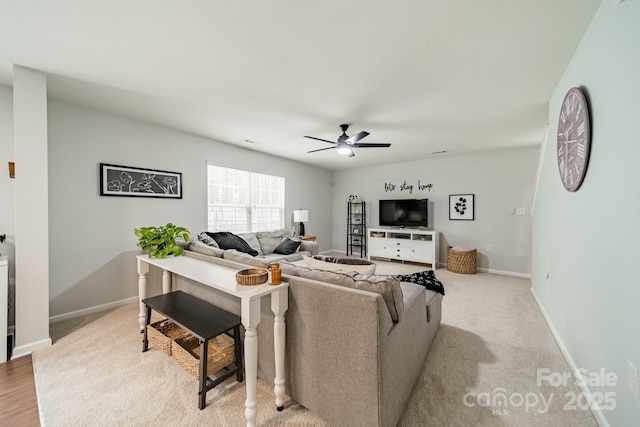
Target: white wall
[92,246]
[588,241]
[501,180]
[7,185]
[31,210]
[7,189]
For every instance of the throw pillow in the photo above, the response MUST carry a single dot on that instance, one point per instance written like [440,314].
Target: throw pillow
[424,278]
[340,264]
[226,240]
[207,240]
[269,240]
[287,246]
[252,241]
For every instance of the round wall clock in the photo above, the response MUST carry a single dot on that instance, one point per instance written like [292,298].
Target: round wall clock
[574,139]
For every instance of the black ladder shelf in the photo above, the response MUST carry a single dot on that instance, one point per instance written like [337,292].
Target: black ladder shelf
[357,229]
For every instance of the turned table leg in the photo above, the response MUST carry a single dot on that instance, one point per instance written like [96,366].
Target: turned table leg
[279,305]
[143,269]
[166,281]
[250,319]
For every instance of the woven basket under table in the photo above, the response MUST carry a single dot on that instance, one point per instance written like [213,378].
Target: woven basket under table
[186,351]
[461,262]
[161,333]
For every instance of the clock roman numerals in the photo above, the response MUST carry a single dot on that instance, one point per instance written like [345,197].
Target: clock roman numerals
[573,139]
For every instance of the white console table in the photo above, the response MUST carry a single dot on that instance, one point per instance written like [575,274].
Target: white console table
[4,307]
[405,244]
[224,279]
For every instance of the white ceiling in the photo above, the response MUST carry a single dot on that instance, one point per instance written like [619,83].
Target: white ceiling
[456,75]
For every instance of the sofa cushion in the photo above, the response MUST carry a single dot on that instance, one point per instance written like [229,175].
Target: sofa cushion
[340,264]
[269,240]
[287,246]
[410,292]
[252,241]
[424,278]
[332,277]
[202,248]
[226,240]
[296,256]
[388,287]
[244,258]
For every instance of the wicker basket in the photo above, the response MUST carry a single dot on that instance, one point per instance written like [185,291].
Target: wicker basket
[251,276]
[186,351]
[461,262]
[162,333]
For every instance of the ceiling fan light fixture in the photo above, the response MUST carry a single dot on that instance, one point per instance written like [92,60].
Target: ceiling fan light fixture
[345,143]
[344,150]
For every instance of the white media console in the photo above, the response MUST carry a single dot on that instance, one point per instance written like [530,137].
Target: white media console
[406,244]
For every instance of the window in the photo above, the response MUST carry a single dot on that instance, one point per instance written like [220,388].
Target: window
[242,201]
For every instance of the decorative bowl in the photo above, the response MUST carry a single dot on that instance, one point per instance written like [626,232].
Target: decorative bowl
[251,276]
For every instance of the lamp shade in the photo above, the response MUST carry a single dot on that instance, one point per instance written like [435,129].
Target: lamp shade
[300,216]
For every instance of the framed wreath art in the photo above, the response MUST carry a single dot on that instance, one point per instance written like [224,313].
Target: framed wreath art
[461,207]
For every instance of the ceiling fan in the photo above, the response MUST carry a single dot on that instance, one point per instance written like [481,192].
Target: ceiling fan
[346,143]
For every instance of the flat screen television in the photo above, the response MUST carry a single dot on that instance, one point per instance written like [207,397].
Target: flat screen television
[404,213]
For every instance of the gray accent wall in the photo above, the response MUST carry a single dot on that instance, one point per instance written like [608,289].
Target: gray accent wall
[587,242]
[501,180]
[92,244]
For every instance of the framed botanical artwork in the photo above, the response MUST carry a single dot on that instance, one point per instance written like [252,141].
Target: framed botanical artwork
[118,180]
[461,207]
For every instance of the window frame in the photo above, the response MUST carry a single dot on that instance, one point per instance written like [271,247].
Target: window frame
[242,217]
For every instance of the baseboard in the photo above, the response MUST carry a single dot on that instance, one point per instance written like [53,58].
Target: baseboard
[26,349]
[504,273]
[90,310]
[595,408]
[444,265]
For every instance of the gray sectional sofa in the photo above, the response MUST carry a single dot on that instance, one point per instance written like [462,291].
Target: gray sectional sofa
[262,242]
[349,357]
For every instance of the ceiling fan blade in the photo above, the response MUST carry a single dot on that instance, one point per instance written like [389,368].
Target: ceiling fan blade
[355,138]
[365,145]
[320,139]
[321,149]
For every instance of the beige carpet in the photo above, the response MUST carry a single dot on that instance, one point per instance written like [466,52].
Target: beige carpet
[492,340]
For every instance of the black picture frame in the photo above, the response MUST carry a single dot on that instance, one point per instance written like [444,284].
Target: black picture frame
[129,181]
[462,207]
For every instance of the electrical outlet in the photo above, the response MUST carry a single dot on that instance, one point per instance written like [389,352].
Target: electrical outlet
[512,211]
[634,379]
[489,248]
[520,211]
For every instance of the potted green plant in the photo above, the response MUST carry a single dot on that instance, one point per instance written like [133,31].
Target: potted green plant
[160,242]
